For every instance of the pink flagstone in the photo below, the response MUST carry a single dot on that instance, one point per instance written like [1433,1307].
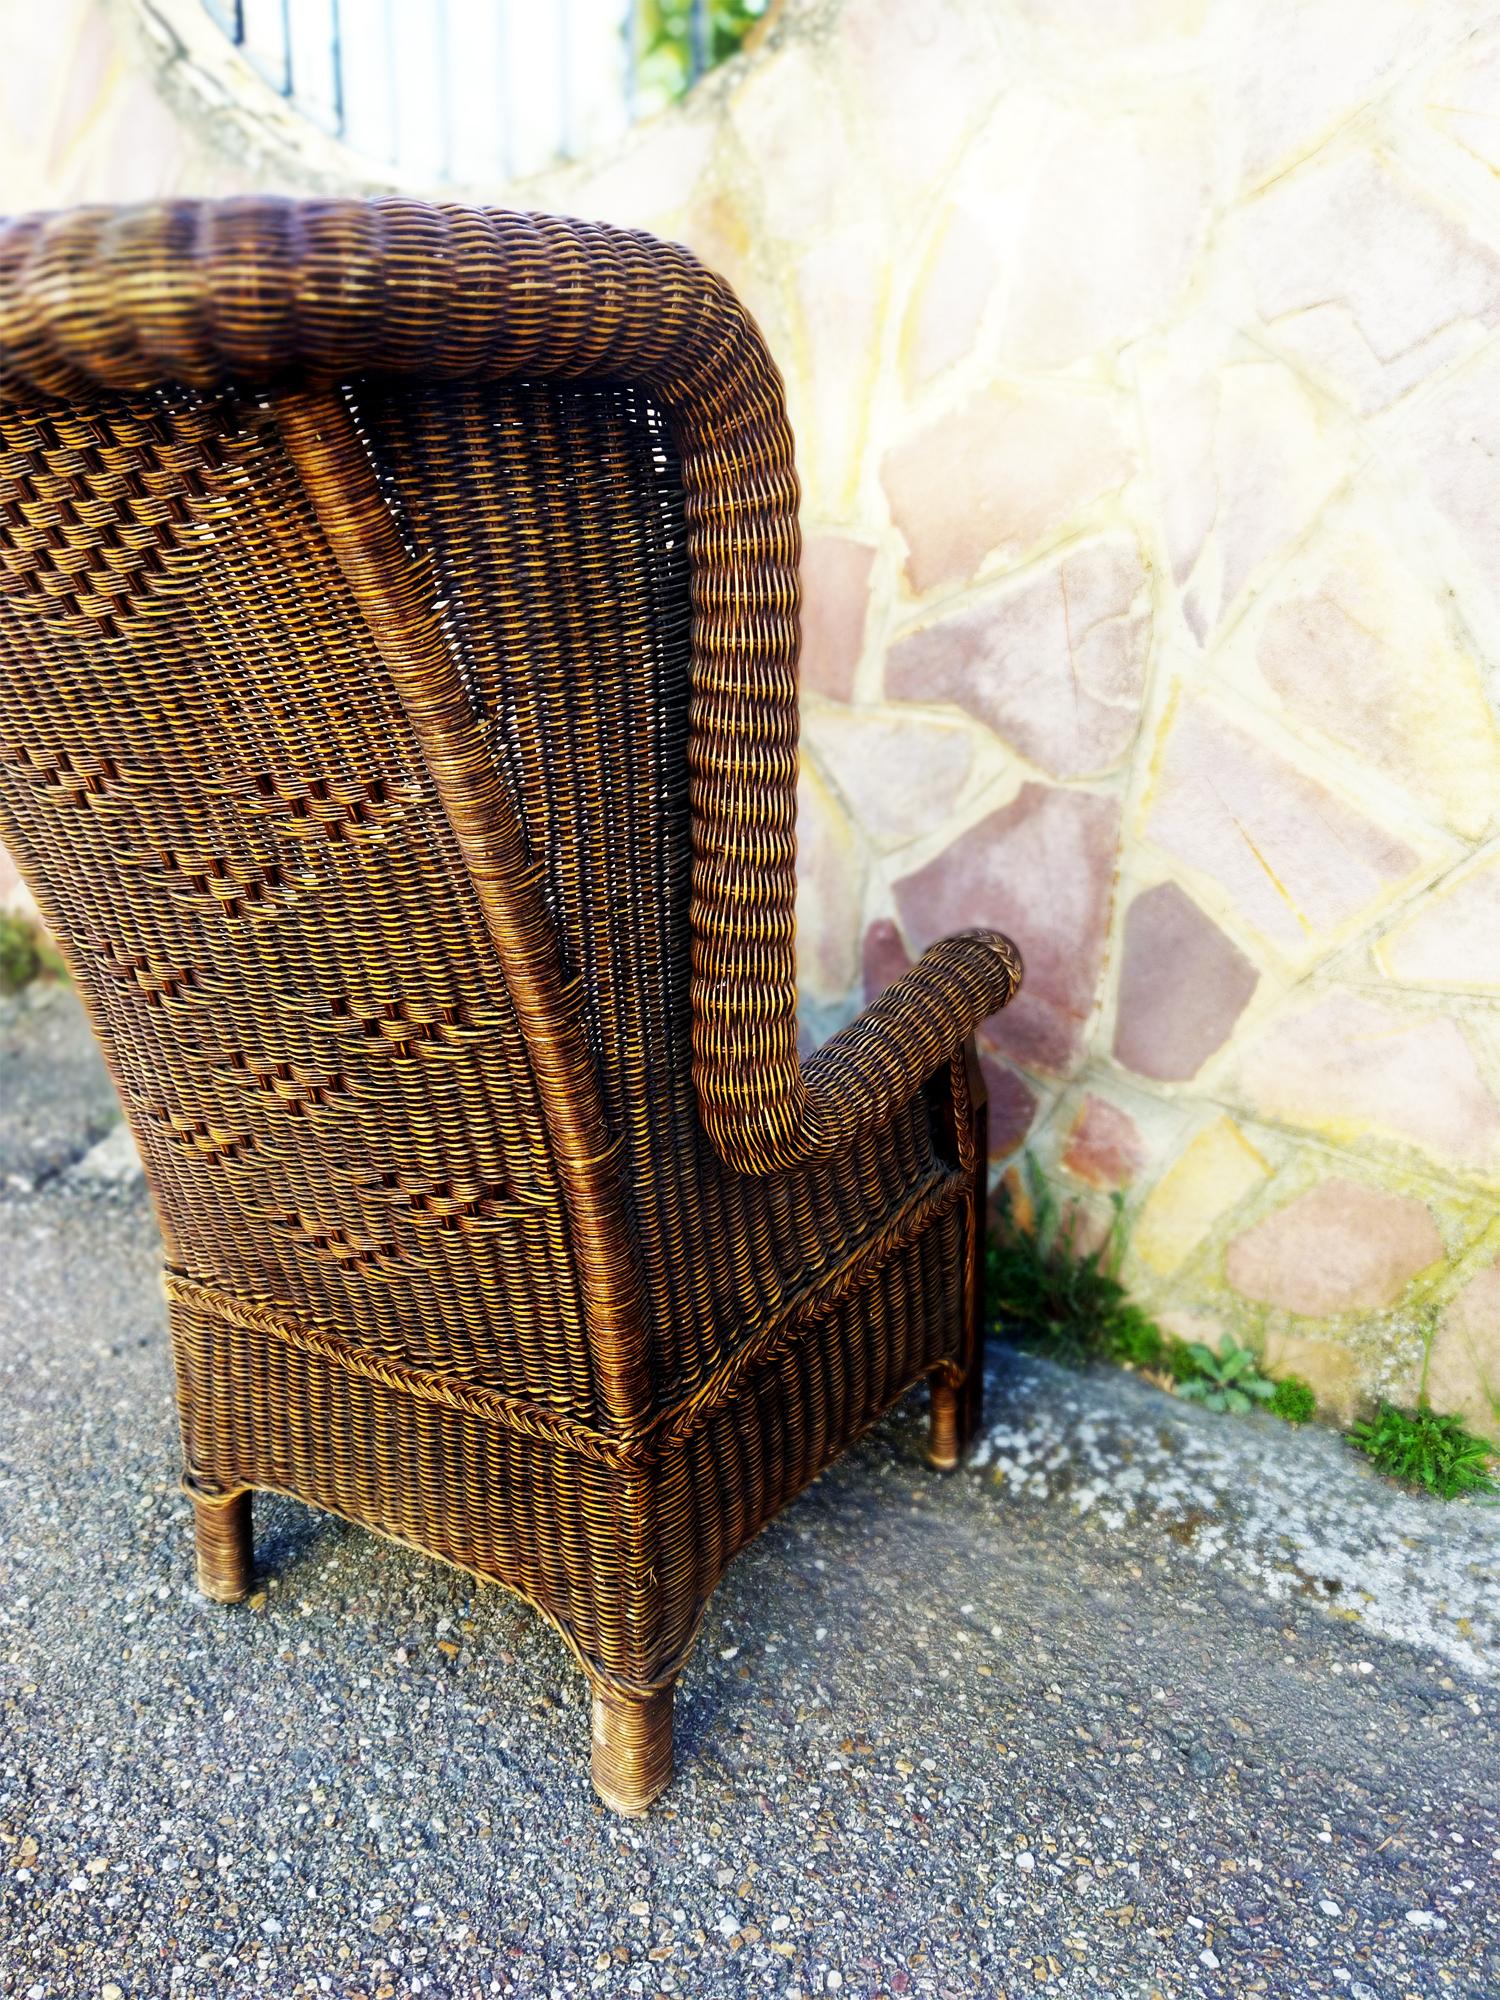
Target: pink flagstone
[954,289]
[1104,1145]
[1348,1065]
[921,76]
[835,598]
[1363,653]
[1117,210]
[998,475]
[1042,870]
[1453,937]
[792,127]
[1361,272]
[1055,666]
[1012,1107]
[1341,1247]
[830,889]
[883,958]
[1183,985]
[1463,99]
[1330,1369]
[148,146]
[1458,447]
[900,775]
[841,290]
[648,182]
[1463,1373]
[1297,74]
[1296,861]
[1241,459]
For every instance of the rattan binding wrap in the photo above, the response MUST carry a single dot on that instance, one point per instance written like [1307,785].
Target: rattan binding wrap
[398,728]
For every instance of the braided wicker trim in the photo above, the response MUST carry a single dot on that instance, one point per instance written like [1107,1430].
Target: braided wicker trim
[626,1451]
[545,1426]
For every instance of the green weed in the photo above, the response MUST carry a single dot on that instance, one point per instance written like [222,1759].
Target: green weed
[25,953]
[1424,1449]
[1228,1380]
[1066,1303]
[1294,1400]
[1070,1304]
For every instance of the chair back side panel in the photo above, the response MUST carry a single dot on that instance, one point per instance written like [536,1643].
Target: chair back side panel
[552,522]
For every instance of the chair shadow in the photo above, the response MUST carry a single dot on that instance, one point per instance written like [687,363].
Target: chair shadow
[296,1543]
[291,1535]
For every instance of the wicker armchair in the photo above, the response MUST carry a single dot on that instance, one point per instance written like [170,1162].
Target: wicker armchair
[398,728]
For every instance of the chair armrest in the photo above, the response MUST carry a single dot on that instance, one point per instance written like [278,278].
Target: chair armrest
[868,1071]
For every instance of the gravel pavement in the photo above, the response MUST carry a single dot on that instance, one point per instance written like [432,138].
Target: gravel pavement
[1145,1702]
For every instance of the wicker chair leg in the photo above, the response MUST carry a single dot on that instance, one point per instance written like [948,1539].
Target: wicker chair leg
[957,1404]
[632,1758]
[944,1446]
[222,1534]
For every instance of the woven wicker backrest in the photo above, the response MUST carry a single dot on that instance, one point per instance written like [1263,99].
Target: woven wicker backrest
[215,785]
[398,726]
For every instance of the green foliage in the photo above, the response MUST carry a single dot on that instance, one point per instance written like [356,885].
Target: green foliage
[664,66]
[1070,1305]
[19,963]
[1179,1362]
[25,954]
[1426,1450]
[1228,1380]
[1139,1342]
[1294,1400]
[1066,1303]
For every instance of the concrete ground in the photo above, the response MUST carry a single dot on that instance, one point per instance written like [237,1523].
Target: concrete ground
[1147,1701]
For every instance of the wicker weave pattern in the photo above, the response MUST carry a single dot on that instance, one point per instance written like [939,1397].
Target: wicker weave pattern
[398,630]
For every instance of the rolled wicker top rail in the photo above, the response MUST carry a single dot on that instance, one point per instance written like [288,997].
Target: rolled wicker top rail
[295,297]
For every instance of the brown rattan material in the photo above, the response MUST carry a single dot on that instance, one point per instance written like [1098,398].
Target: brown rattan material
[221,1531]
[398,728]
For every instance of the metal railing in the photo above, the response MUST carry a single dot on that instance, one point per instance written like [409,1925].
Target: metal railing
[481,90]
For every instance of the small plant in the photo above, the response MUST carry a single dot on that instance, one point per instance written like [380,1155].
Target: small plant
[25,953]
[665,32]
[1228,1380]
[1139,1342]
[1070,1304]
[1293,1400]
[1067,1303]
[1424,1449]
[19,963]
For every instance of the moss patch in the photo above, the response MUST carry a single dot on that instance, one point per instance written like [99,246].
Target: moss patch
[26,953]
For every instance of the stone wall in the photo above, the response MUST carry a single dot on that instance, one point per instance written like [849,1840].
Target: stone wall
[1143,360]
